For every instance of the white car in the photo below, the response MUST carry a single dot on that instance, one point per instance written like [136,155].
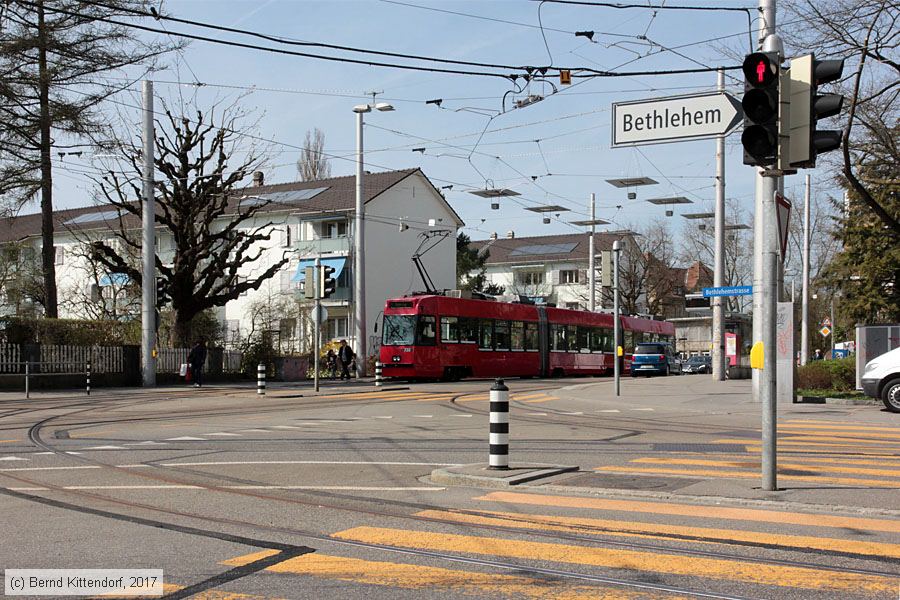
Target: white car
[881,379]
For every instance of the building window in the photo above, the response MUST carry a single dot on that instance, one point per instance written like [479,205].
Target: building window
[287,328]
[287,236]
[568,276]
[232,330]
[334,229]
[573,305]
[60,254]
[336,328]
[529,277]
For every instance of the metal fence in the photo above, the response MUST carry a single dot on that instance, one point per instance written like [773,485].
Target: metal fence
[61,359]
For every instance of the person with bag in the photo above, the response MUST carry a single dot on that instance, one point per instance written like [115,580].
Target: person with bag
[331,364]
[196,360]
[345,358]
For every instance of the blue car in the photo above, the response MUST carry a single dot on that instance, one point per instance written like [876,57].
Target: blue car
[655,358]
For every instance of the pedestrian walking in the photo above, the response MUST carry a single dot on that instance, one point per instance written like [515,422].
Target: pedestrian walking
[345,358]
[196,359]
[817,355]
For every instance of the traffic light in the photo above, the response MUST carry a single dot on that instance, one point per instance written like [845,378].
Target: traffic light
[309,283]
[328,283]
[760,104]
[808,106]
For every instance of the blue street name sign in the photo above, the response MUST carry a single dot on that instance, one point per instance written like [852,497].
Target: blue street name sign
[738,290]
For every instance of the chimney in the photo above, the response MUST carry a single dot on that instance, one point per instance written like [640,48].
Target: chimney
[257,178]
[510,234]
[494,236]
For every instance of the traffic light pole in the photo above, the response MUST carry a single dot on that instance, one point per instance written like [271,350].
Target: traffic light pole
[316,325]
[804,295]
[718,341]
[765,280]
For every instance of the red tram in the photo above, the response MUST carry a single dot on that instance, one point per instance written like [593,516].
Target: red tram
[442,337]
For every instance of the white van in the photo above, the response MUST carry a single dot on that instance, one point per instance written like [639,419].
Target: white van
[881,379]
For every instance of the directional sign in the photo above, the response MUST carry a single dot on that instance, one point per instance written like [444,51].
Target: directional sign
[737,290]
[674,119]
[825,331]
[783,210]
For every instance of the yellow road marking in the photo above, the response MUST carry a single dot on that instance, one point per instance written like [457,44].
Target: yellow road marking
[794,443]
[752,464]
[749,475]
[839,425]
[866,435]
[8,441]
[699,511]
[527,396]
[847,460]
[755,448]
[540,400]
[417,577]
[657,530]
[650,562]
[89,434]
[825,438]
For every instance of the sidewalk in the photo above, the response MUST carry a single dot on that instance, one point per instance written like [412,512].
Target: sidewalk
[273,388]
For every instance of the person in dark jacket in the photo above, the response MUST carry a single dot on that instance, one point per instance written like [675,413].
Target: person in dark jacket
[345,357]
[331,364]
[197,358]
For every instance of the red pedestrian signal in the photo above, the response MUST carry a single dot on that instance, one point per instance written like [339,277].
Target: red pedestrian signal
[760,104]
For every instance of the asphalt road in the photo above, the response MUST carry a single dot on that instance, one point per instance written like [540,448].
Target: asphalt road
[295,495]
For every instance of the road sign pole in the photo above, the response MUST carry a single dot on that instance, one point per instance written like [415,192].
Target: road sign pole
[316,324]
[718,332]
[804,298]
[617,370]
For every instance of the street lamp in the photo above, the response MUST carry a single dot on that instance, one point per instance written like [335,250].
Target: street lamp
[359,278]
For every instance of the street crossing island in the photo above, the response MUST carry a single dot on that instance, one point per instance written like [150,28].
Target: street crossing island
[667,119]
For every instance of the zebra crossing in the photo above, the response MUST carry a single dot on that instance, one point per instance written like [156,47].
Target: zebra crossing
[829,453]
[528,545]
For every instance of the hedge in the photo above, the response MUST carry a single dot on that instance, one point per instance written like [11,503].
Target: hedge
[74,332]
[839,374]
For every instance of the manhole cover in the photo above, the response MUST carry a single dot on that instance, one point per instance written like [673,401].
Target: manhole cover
[697,447]
[627,482]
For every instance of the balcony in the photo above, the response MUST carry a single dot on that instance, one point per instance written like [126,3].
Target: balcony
[339,245]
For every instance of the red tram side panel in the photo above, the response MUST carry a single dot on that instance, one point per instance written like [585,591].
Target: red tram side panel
[451,338]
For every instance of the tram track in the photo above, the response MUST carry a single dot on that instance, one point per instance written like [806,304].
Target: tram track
[163,475]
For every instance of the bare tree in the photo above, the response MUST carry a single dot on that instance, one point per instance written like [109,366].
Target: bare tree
[218,235]
[867,33]
[645,265]
[313,164]
[51,52]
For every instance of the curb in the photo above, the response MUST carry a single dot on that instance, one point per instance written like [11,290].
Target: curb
[441,476]
[495,478]
[838,401]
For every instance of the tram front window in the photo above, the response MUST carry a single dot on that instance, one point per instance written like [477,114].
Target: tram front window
[399,330]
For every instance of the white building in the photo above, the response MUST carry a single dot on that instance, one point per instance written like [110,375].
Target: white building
[306,220]
[548,269]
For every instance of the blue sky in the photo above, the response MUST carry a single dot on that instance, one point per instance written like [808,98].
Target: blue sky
[572,127]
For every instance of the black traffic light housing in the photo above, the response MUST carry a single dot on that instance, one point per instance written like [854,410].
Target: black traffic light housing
[328,282]
[760,103]
[825,105]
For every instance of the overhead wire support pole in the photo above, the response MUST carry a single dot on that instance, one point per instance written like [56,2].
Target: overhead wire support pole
[592,267]
[718,337]
[148,245]
[804,295]
[317,327]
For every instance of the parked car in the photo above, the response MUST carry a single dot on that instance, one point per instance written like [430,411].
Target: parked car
[881,379]
[697,364]
[651,358]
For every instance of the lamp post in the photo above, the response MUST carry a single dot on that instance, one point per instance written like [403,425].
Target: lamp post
[359,277]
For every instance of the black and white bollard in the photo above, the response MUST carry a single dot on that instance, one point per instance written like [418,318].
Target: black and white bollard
[87,377]
[378,377]
[261,379]
[499,436]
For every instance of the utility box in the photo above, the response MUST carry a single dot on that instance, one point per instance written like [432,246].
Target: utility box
[873,341]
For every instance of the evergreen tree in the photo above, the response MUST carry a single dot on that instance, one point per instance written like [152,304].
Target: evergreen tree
[51,53]
[866,272]
[470,268]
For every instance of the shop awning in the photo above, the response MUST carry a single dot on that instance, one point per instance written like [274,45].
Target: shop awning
[336,263]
